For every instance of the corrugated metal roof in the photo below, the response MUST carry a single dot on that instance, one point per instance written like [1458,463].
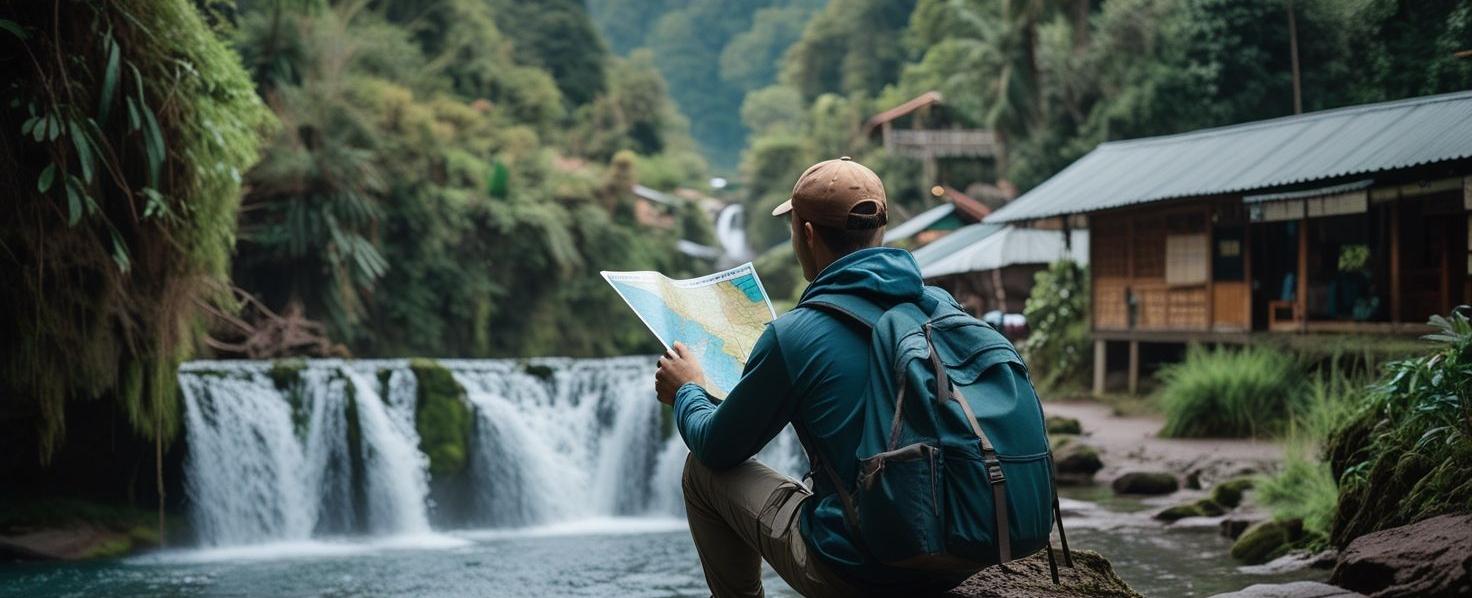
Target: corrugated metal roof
[1307,193]
[1257,155]
[945,246]
[1009,247]
[918,222]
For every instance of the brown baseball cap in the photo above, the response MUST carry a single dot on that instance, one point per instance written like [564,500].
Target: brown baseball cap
[841,194]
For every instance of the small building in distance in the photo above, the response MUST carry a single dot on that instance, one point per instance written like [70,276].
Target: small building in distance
[654,208]
[991,267]
[1352,220]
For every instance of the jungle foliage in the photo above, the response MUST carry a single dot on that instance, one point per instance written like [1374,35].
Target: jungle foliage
[127,126]
[1054,79]
[1058,341]
[437,189]
[1405,454]
[1230,392]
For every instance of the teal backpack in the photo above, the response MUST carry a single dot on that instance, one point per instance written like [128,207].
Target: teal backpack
[955,471]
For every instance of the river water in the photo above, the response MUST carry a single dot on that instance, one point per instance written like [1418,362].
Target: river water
[315,487]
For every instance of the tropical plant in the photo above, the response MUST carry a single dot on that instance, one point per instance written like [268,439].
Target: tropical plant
[127,125]
[1057,312]
[1406,454]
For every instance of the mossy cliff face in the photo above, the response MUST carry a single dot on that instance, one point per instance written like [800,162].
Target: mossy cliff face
[442,417]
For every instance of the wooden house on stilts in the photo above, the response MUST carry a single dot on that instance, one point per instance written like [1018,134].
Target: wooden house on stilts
[1352,220]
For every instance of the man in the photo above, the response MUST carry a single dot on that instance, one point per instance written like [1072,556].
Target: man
[808,368]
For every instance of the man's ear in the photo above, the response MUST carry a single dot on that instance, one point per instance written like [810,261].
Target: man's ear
[809,236]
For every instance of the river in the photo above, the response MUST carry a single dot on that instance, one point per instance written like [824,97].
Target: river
[315,487]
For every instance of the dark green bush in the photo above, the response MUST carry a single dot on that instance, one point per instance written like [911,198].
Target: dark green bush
[1226,392]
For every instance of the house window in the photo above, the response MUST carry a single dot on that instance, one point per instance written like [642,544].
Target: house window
[1186,259]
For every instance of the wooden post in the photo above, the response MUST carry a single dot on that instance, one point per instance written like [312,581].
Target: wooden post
[1302,273]
[1247,267]
[1293,50]
[1101,365]
[1134,367]
[1210,268]
[1395,263]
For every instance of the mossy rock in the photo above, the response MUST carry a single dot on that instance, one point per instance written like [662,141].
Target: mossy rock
[1229,493]
[442,417]
[285,372]
[1078,459]
[539,371]
[1201,508]
[1146,482]
[1057,424]
[1267,540]
[1058,441]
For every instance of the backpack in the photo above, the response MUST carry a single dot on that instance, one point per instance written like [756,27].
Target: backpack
[955,471]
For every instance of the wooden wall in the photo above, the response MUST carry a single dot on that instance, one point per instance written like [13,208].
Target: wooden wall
[1161,255]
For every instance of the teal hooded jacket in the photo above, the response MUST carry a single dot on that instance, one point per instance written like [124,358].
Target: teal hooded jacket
[810,367]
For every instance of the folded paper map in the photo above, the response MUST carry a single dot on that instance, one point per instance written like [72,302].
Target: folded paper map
[718,316]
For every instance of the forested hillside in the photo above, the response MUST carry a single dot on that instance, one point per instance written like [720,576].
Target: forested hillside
[309,177]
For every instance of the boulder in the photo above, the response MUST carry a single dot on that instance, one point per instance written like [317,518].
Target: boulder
[1091,576]
[1237,522]
[1229,493]
[1200,508]
[1076,463]
[1146,482]
[75,542]
[1429,558]
[1267,540]
[1058,424]
[1297,589]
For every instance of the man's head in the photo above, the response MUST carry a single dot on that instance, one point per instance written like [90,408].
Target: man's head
[837,207]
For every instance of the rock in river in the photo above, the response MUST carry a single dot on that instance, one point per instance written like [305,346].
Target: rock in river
[1058,424]
[1267,540]
[1430,558]
[1076,463]
[1091,576]
[1297,589]
[1146,482]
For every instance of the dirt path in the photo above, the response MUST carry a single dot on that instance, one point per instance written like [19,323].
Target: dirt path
[1132,444]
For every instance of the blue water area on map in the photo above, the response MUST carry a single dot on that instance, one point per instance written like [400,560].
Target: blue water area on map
[749,285]
[720,367]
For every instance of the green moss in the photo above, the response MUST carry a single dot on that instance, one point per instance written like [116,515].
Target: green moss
[541,372]
[442,417]
[1229,493]
[1267,540]
[112,546]
[1063,425]
[285,372]
[1201,508]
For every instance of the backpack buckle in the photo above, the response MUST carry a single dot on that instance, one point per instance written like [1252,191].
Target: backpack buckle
[994,471]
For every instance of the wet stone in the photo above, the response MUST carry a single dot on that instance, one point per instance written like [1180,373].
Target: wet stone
[1146,482]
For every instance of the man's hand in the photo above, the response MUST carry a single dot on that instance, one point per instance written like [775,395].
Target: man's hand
[676,367]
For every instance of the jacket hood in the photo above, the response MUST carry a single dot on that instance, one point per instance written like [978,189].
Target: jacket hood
[883,275]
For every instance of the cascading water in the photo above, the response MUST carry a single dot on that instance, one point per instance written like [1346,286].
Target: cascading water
[331,447]
[731,234]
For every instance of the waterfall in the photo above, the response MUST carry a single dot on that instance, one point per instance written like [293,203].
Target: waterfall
[731,234]
[317,448]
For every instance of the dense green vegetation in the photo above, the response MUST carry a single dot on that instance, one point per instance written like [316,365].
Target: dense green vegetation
[1227,392]
[1405,453]
[1058,342]
[1054,79]
[126,128]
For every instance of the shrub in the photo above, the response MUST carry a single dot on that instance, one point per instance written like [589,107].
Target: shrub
[1057,311]
[1406,454]
[1229,392]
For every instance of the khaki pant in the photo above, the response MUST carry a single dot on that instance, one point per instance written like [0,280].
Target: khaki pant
[742,515]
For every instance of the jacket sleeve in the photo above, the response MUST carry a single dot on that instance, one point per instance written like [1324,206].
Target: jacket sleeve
[724,434]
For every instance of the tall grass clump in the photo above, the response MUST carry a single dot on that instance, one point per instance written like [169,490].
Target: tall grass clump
[1304,488]
[1225,392]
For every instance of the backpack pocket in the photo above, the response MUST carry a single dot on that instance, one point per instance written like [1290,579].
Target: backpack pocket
[899,503]
[968,500]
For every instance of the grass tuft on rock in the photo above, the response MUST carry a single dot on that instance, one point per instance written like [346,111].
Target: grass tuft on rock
[1223,392]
